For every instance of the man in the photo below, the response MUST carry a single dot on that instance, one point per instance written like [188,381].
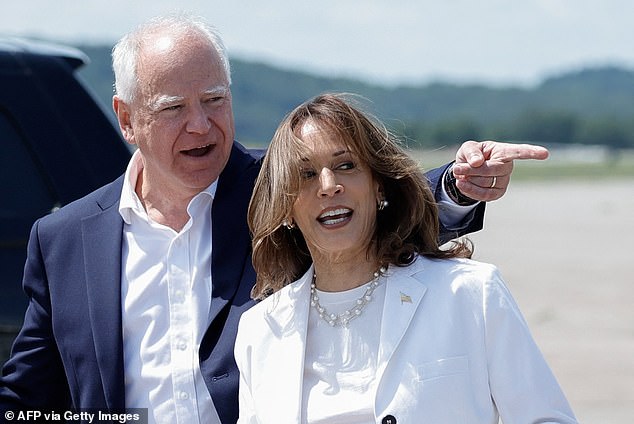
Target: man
[135,291]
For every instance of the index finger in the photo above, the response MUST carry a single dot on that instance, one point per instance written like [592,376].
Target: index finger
[508,152]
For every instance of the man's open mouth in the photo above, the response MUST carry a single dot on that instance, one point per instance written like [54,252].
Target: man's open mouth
[198,151]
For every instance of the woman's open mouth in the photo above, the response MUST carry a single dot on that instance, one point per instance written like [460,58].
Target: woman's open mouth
[335,216]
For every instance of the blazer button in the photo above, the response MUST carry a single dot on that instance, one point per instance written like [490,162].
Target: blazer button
[388,419]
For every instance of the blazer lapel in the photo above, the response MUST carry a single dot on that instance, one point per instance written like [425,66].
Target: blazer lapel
[402,298]
[288,318]
[231,242]
[102,238]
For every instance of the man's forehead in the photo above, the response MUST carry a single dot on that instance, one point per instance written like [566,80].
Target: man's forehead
[162,44]
[165,51]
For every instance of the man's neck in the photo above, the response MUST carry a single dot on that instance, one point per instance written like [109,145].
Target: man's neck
[164,206]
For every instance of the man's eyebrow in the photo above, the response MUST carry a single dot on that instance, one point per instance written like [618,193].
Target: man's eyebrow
[165,100]
[217,89]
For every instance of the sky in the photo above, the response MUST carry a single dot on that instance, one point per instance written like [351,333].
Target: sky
[493,42]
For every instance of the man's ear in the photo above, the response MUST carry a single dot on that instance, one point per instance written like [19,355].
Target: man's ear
[122,110]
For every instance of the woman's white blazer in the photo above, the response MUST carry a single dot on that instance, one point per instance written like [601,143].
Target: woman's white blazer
[454,348]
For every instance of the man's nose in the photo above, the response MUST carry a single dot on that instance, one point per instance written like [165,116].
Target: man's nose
[198,122]
[328,185]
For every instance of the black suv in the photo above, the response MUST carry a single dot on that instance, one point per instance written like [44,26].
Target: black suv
[56,144]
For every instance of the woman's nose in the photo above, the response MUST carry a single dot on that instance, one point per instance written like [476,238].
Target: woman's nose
[328,183]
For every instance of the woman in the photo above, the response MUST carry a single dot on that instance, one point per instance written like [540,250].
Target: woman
[365,319]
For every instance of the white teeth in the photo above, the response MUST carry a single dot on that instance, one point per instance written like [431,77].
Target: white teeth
[334,221]
[335,216]
[335,212]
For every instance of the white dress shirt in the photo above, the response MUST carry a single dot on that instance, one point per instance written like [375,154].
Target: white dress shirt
[166,295]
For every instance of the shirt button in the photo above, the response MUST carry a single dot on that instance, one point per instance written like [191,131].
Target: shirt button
[182,345]
[184,396]
[388,419]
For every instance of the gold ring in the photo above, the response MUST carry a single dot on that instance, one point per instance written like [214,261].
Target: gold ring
[495,180]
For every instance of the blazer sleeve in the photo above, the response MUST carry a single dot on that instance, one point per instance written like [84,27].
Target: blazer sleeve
[34,375]
[523,386]
[473,221]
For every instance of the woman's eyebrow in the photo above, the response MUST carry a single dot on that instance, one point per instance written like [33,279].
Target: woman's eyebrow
[334,155]
[340,152]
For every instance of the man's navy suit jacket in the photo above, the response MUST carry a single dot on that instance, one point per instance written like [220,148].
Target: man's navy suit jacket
[69,353]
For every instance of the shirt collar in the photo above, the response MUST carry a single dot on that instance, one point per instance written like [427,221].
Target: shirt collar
[130,203]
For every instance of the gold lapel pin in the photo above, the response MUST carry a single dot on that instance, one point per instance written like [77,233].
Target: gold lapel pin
[405,298]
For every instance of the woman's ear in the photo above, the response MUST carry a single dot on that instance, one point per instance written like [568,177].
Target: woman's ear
[381,201]
[378,191]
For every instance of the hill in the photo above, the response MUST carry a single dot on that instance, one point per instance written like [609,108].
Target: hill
[587,106]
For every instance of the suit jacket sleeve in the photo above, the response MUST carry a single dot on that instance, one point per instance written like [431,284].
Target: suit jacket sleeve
[69,350]
[471,223]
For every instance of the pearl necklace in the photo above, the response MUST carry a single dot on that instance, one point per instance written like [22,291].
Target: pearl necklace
[348,315]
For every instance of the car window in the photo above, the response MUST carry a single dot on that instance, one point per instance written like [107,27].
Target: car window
[26,194]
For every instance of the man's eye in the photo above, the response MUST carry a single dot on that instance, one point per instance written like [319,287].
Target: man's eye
[215,99]
[172,107]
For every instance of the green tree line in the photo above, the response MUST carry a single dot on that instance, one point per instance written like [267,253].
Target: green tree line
[588,106]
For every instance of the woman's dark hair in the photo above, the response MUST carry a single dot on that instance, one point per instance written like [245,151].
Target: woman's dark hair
[406,228]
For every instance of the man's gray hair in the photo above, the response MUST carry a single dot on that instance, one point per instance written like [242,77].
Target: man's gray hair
[125,54]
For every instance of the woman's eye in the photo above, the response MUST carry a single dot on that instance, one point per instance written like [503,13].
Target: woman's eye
[346,165]
[307,174]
